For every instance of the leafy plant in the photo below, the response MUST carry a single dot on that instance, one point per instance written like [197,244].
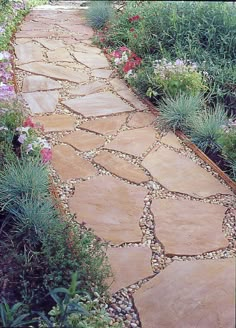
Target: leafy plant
[176,113]
[14,316]
[205,128]
[99,13]
[227,143]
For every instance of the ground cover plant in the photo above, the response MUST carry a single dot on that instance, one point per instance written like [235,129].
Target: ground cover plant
[184,50]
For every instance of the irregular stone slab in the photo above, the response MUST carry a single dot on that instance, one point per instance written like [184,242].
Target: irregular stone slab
[51,44]
[83,140]
[59,55]
[101,73]
[87,89]
[29,26]
[69,165]
[28,52]
[111,207]
[139,120]
[33,83]
[22,40]
[80,47]
[121,167]
[98,104]
[55,71]
[134,142]
[170,139]
[118,84]
[185,176]
[42,102]
[131,98]
[187,227]
[34,34]
[134,261]
[189,294]
[91,60]
[108,125]
[54,123]
[81,31]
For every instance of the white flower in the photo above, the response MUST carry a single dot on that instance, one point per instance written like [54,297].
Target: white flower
[2,128]
[130,72]
[117,61]
[23,129]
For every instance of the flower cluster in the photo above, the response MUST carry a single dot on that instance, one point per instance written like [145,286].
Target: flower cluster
[6,76]
[31,144]
[178,76]
[125,59]
[134,18]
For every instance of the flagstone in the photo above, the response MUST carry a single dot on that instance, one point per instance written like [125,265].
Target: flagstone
[187,227]
[121,167]
[51,44]
[55,123]
[101,73]
[134,142]
[189,294]
[69,165]
[35,34]
[22,40]
[180,174]
[28,52]
[33,83]
[134,261]
[131,98]
[87,89]
[83,140]
[108,125]
[55,71]
[112,208]
[140,119]
[29,26]
[98,104]
[91,60]
[170,139]
[118,84]
[81,47]
[42,102]
[59,55]
[82,31]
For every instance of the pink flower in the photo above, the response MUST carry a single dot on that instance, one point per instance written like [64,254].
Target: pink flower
[28,122]
[22,138]
[116,54]
[123,49]
[132,29]
[46,154]
[134,18]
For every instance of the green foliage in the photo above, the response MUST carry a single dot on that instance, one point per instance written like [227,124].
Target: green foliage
[176,113]
[227,143]
[14,316]
[206,127]
[99,13]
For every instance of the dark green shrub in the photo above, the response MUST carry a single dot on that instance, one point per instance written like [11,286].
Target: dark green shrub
[14,316]
[99,13]
[176,113]
[206,127]
[227,143]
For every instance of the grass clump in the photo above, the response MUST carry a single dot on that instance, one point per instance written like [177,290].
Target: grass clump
[176,113]
[99,13]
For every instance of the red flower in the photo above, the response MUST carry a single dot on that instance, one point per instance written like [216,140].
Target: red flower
[46,155]
[28,123]
[132,29]
[123,49]
[134,18]
[128,66]
[135,36]
[116,54]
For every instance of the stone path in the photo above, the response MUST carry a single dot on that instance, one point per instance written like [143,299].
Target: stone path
[168,219]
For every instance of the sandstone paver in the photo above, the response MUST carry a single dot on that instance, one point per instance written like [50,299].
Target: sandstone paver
[91,60]
[55,71]
[187,227]
[121,167]
[59,55]
[170,139]
[87,89]
[51,44]
[101,73]
[42,101]
[111,207]
[28,52]
[131,98]
[56,122]
[134,142]
[108,125]
[98,104]
[33,83]
[140,119]
[180,174]
[69,165]
[189,294]
[135,262]
[83,140]
[118,84]
[80,47]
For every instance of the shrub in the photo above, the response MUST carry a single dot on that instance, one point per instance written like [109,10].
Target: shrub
[14,316]
[99,13]
[205,128]
[227,143]
[172,78]
[176,113]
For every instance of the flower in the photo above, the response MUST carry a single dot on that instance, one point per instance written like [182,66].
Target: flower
[132,29]
[134,18]
[23,129]
[46,155]
[28,123]
[22,138]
